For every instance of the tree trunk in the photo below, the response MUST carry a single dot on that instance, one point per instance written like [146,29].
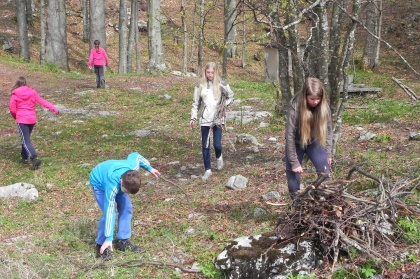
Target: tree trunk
[132,35]
[97,22]
[137,38]
[230,21]
[185,37]
[295,48]
[229,34]
[122,29]
[347,57]
[373,24]
[42,36]
[23,30]
[56,35]
[200,39]
[156,57]
[29,10]
[84,4]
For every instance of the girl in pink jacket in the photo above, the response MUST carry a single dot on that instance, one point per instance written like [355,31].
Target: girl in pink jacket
[97,59]
[22,108]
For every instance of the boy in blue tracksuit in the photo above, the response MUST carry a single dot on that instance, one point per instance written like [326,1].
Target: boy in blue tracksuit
[111,182]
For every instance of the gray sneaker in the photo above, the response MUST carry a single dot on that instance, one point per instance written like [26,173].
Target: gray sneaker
[206,175]
[220,163]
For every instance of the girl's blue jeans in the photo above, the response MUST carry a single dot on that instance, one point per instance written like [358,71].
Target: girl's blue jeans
[125,214]
[205,141]
[316,154]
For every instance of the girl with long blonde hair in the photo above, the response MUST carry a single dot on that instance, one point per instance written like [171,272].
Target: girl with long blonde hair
[308,131]
[211,97]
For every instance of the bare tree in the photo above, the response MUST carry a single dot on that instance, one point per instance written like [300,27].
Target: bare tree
[56,34]
[319,39]
[185,38]
[200,38]
[23,29]
[374,24]
[122,29]
[156,56]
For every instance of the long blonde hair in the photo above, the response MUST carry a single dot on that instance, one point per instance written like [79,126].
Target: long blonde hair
[216,81]
[313,122]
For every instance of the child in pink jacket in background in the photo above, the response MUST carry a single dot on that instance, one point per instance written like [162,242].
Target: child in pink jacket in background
[96,60]
[22,108]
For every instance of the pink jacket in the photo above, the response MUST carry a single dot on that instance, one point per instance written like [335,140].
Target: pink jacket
[23,102]
[97,57]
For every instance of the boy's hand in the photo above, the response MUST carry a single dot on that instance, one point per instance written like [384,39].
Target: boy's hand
[106,244]
[155,172]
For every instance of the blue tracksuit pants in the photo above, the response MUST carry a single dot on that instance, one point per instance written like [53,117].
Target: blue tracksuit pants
[125,214]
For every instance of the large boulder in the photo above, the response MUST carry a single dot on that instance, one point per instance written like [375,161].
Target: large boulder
[265,256]
[22,190]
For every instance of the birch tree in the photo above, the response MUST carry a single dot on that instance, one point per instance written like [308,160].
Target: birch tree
[56,35]
[156,56]
[22,30]
[230,11]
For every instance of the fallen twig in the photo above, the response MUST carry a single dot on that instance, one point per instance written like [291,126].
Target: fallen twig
[173,183]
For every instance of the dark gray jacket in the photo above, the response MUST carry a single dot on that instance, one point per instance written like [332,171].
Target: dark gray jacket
[293,135]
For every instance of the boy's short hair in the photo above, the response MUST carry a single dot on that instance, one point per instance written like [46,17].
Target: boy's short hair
[131,181]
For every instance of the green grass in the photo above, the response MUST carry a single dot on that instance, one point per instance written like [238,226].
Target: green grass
[380,111]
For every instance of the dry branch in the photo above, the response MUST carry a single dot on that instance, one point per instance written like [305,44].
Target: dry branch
[337,219]
[406,89]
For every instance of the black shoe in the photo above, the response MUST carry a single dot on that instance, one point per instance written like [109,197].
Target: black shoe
[126,245]
[35,163]
[24,161]
[103,83]
[105,256]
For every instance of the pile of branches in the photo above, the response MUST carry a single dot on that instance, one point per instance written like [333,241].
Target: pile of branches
[328,213]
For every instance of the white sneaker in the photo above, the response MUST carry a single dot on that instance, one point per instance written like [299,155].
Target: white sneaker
[206,175]
[220,163]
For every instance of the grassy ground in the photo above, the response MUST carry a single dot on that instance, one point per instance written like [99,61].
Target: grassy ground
[54,236]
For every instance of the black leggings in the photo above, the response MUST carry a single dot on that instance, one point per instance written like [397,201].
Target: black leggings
[28,150]
[99,71]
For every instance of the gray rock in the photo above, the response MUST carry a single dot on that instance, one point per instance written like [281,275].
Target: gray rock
[272,195]
[259,212]
[22,190]
[237,182]
[141,133]
[414,136]
[246,138]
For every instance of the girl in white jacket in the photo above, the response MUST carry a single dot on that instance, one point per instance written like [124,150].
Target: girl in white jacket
[211,97]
